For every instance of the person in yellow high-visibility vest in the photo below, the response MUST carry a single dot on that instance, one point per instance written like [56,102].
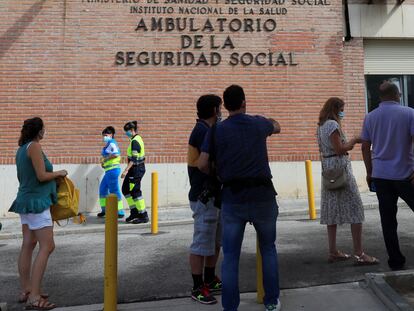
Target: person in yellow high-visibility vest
[133,173]
[110,162]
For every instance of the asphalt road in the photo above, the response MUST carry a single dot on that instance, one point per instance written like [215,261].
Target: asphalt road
[154,267]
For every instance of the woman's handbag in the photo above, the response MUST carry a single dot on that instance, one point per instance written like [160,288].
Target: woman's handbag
[334,178]
[67,201]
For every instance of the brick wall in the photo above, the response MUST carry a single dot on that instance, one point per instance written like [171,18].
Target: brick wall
[57,61]
[354,90]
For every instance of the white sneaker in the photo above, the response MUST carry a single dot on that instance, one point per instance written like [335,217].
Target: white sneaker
[274,307]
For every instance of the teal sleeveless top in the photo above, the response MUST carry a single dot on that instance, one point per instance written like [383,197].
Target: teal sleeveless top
[33,196]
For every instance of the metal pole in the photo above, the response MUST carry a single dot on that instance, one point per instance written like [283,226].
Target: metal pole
[259,273]
[311,193]
[154,203]
[111,253]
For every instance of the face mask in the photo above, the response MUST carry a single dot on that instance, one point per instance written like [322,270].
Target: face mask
[106,139]
[341,115]
[128,133]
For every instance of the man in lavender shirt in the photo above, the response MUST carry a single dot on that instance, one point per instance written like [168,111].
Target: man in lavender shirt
[390,163]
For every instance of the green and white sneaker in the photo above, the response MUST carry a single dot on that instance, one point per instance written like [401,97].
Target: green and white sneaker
[203,295]
[215,286]
[274,307]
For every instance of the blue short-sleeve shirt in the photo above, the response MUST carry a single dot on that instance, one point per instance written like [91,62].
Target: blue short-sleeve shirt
[390,129]
[241,152]
[196,177]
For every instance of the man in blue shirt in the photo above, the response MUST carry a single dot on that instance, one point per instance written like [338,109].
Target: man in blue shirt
[390,164]
[239,150]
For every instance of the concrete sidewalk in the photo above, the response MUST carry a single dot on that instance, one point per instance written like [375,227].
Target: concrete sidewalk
[167,216]
[338,297]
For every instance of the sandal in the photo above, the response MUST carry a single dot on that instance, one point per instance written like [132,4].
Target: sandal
[338,256]
[25,295]
[365,260]
[39,304]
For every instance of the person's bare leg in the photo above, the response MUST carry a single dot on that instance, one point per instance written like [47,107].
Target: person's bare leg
[211,261]
[356,230]
[25,258]
[332,239]
[196,264]
[46,246]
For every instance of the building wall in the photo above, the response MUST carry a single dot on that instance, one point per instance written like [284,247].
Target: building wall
[58,61]
[380,20]
[289,179]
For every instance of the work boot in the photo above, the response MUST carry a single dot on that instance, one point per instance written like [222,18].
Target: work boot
[134,215]
[142,218]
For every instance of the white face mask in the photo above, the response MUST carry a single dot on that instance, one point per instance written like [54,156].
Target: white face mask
[106,139]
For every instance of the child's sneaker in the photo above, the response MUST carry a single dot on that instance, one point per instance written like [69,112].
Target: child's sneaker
[203,295]
[215,286]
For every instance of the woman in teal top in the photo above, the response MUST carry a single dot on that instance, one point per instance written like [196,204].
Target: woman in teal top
[37,192]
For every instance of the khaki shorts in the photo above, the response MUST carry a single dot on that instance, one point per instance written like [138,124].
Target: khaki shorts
[37,221]
[207,228]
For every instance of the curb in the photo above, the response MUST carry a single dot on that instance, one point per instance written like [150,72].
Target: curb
[386,294]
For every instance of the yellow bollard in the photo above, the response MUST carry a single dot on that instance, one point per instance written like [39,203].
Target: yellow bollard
[111,254]
[311,193]
[154,203]
[259,274]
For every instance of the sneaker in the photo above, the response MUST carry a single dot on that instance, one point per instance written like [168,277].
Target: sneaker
[215,286]
[101,214]
[274,307]
[203,295]
[141,219]
[120,216]
[133,215]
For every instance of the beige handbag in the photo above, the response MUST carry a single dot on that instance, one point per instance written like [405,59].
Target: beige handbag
[333,178]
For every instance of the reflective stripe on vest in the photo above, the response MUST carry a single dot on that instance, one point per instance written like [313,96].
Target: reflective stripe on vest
[112,163]
[133,154]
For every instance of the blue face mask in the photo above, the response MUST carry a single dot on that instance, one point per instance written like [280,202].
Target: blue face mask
[106,139]
[341,115]
[128,133]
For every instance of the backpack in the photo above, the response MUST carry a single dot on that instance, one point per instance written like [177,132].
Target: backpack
[67,201]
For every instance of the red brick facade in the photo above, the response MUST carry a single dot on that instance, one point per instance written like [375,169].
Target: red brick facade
[57,61]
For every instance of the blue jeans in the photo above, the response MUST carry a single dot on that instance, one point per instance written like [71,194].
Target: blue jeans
[234,217]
